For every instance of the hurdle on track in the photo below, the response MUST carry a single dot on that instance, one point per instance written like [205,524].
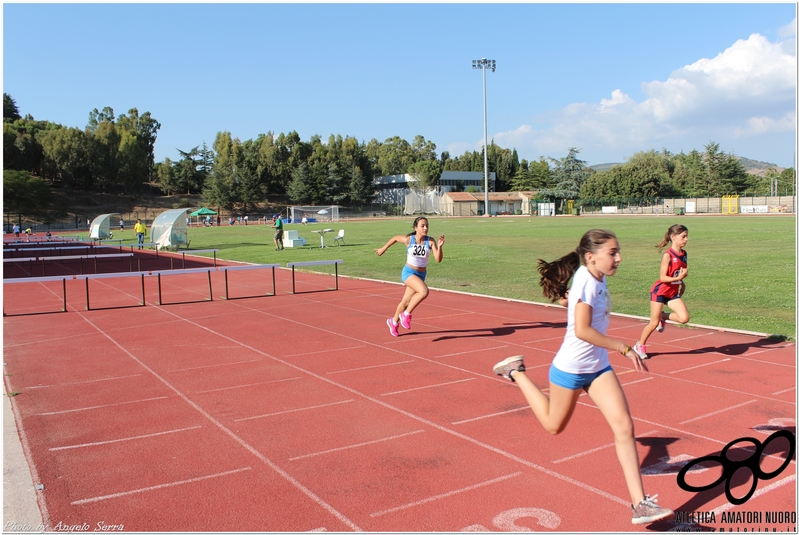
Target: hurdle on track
[254,266]
[158,274]
[183,272]
[313,263]
[59,259]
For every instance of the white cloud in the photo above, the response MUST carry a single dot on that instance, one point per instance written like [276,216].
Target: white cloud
[747,91]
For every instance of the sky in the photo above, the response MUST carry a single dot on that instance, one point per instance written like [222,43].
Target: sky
[610,79]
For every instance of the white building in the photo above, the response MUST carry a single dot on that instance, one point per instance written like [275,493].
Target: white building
[391,189]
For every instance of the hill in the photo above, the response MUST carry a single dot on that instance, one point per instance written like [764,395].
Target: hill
[753,167]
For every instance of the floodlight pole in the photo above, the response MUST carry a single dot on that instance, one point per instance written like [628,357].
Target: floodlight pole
[482,64]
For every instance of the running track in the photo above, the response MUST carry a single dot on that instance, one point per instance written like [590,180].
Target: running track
[299,412]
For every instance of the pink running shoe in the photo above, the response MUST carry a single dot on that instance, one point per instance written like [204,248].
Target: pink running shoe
[405,320]
[661,325]
[393,327]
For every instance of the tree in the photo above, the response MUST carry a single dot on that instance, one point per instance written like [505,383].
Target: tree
[568,174]
[300,190]
[24,194]
[10,110]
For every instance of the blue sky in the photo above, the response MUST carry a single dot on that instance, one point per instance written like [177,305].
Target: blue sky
[609,79]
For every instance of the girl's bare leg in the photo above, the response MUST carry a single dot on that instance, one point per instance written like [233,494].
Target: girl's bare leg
[418,293]
[606,392]
[679,311]
[655,311]
[554,411]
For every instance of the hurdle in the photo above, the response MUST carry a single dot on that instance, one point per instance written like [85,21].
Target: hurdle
[313,263]
[183,255]
[254,266]
[109,276]
[183,272]
[39,279]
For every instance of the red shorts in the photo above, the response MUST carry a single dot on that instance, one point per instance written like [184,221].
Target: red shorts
[662,292]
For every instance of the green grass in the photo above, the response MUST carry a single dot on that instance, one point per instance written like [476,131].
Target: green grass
[742,268]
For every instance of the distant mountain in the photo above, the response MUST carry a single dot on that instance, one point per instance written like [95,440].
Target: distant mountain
[753,167]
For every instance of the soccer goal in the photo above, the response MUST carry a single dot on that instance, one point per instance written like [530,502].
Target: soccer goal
[729,204]
[314,214]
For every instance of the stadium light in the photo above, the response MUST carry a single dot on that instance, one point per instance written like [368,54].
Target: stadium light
[484,64]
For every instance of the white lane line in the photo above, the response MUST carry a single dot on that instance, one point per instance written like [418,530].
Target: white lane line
[445,495]
[587,452]
[248,384]
[178,370]
[526,407]
[700,366]
[428,386]
[293,410]
[85,382]
[371,367]
[459,353]
[325,351]
[156,487]
[102,406]
[783,391]
[342,448]
[719,411]
[638,381]
[139,437]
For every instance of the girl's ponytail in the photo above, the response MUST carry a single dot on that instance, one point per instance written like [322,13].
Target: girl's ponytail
[673,231]
[555,275]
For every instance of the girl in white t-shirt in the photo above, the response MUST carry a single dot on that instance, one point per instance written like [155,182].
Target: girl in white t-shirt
[418,246]
[582,360]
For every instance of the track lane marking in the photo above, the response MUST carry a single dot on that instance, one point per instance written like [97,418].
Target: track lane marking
[427,386]
[156,487]
[719,411]
[445,495]
[126,439]
[248,385]
[102,406]
[701,365]
[351,446]
[300,409]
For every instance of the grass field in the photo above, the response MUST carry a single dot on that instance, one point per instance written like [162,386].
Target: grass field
[742,268]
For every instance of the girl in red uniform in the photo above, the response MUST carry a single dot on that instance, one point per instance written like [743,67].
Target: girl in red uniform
[669,288]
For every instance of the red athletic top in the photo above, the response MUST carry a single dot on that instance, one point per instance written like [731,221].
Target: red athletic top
[671,289]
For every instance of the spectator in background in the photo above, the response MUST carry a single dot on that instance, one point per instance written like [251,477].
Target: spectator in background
[16,232]
[140,231]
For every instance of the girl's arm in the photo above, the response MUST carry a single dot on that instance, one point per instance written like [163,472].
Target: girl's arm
[584,331]
[392,241]
[664,269]
[438,252]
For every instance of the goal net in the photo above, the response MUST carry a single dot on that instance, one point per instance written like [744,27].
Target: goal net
[314,214]
[417,202]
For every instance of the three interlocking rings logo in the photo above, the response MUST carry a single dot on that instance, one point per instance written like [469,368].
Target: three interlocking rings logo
[729,466]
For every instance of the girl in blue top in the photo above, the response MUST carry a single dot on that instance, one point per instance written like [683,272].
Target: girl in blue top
[418,246]
[582,361]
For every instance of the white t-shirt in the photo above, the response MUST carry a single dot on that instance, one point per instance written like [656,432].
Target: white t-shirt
[418,253]
[575,355]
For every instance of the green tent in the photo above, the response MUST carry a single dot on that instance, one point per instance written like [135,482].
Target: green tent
[203,211]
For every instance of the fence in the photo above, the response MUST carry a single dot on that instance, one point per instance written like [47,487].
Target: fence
[698,205]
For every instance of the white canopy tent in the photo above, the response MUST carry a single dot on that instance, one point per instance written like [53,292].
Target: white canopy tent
[170,229]
[100,229]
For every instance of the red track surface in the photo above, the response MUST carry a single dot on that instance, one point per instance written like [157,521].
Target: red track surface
[300,412]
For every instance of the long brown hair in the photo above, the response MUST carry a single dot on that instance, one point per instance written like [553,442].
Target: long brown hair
[673,231]
[416,223]
[555,275]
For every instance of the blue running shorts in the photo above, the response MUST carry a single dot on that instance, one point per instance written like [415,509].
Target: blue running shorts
[574,381]
[407,271]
